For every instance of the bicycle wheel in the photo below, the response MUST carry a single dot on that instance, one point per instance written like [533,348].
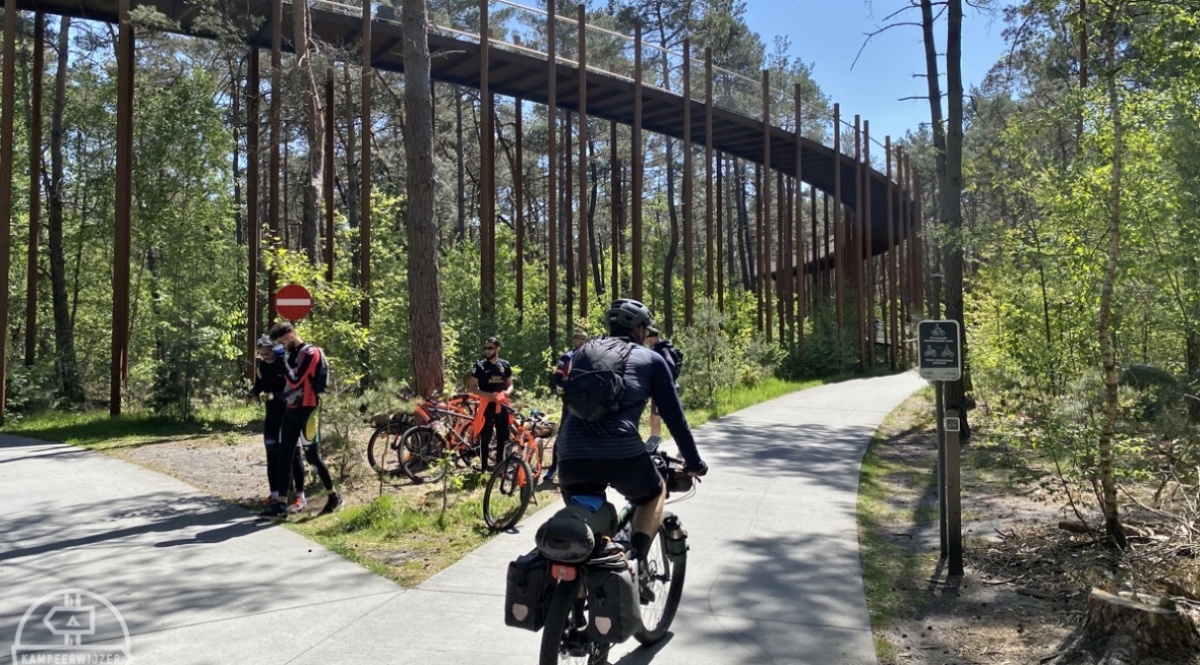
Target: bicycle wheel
[666,580]
[424,448]
[565,635]
[383,450]
[508,492]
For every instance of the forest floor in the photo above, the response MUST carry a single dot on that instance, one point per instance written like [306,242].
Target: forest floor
[1026,581]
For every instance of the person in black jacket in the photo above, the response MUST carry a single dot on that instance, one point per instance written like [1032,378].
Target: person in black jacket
[270,384]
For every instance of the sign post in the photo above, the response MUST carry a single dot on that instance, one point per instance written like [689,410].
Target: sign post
[293,302]
[939,353]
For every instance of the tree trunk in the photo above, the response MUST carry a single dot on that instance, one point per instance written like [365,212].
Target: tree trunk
[1126,629]
[314,127]
[460,228]
[425,310]
[69,384]
[352,172]
[1112,521]
[596,260]
[744,250]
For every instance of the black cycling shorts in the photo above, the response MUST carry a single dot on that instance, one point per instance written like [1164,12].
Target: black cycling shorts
[636,478]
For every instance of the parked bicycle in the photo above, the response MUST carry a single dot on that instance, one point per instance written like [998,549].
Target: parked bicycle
[510,488]
[581,590]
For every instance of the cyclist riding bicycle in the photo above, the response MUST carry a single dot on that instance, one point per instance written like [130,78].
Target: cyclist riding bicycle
[610,452]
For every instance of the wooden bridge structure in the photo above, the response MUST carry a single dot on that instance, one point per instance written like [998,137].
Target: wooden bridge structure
[862,252]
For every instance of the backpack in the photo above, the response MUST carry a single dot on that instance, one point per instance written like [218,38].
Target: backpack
[320,378]
[672,353]
[596,382]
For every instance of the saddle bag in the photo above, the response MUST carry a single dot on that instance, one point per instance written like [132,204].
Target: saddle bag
[614,607]
[527,594]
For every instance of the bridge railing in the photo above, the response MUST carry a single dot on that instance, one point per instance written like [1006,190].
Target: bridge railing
[523,28]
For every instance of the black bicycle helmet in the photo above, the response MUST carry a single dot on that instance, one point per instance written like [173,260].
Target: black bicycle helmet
[626,314]
[264,342]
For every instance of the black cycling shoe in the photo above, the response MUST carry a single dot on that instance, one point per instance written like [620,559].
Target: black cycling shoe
[331,504]
[645,588]
[276,509]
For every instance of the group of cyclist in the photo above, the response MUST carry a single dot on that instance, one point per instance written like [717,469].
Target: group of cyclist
[588,455]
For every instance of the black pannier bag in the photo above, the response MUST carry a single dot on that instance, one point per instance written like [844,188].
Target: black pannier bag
[567,537]
[527,595]
[614,605]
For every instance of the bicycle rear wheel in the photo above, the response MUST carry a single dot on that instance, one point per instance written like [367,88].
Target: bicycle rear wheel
[509,490]
[666,580]
[383,450]
[421,449]
[565,635]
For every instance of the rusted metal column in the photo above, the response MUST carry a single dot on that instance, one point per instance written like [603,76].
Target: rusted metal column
[614,195]
[765,269]
[708,174]
[799,252]
[859,259]
[487,175]
[838,232]
[869,243]
[329,172]
[636,166]
[7,111]
[35,187]
[253,223]
[276,124]
[890,256]
[584,265]
[552,170]
[519,204]
[364,221]
[689,294]
[719,241]
[122,226]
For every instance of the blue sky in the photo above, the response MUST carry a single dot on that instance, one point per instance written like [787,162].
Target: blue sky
[827,35]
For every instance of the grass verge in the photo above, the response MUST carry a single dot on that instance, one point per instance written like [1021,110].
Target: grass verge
[98,430]
[893,508]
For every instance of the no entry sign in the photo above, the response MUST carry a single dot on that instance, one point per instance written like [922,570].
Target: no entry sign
[293,302]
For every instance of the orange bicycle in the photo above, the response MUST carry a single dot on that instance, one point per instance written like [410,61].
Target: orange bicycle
[447,430]
[511,485]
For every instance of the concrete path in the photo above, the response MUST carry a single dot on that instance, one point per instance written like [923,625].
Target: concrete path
[773,573]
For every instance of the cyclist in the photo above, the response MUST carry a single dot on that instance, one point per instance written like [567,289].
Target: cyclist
[491,381]
[660,345]
[270,384]
[610,452]
[304,361]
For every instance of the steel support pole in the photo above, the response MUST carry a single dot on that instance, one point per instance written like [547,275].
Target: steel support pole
[487,174]
[330,102]
[364,218]
[276,124]
[709,277]
[614,195]
[918,227]
[583,166]
[7,111]
[760,265]
[569,216]
[868,244]
[856,235]
[552,170]
[689,294]
[780,290]
[765,271]
[800,253]
[816,289]
[636,166]
[122,225]
[519,204]
[839,243]
[253,223]
[719,240]
[891,258]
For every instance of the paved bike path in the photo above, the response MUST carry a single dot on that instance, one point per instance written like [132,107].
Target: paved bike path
[773,574]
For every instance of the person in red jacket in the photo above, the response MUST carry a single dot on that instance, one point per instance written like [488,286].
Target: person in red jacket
[305,368]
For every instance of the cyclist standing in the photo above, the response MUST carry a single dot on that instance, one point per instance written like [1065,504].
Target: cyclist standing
[270,384]
[304,363]
[610,452]
[491,381]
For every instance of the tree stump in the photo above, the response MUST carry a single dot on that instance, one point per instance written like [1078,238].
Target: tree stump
[1127,629]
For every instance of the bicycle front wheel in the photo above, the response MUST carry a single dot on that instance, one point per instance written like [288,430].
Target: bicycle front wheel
[421,449]
[666,581]
[565,635]
[509,490]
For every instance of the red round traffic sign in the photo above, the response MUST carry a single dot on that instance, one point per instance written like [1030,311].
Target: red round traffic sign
[293,302]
